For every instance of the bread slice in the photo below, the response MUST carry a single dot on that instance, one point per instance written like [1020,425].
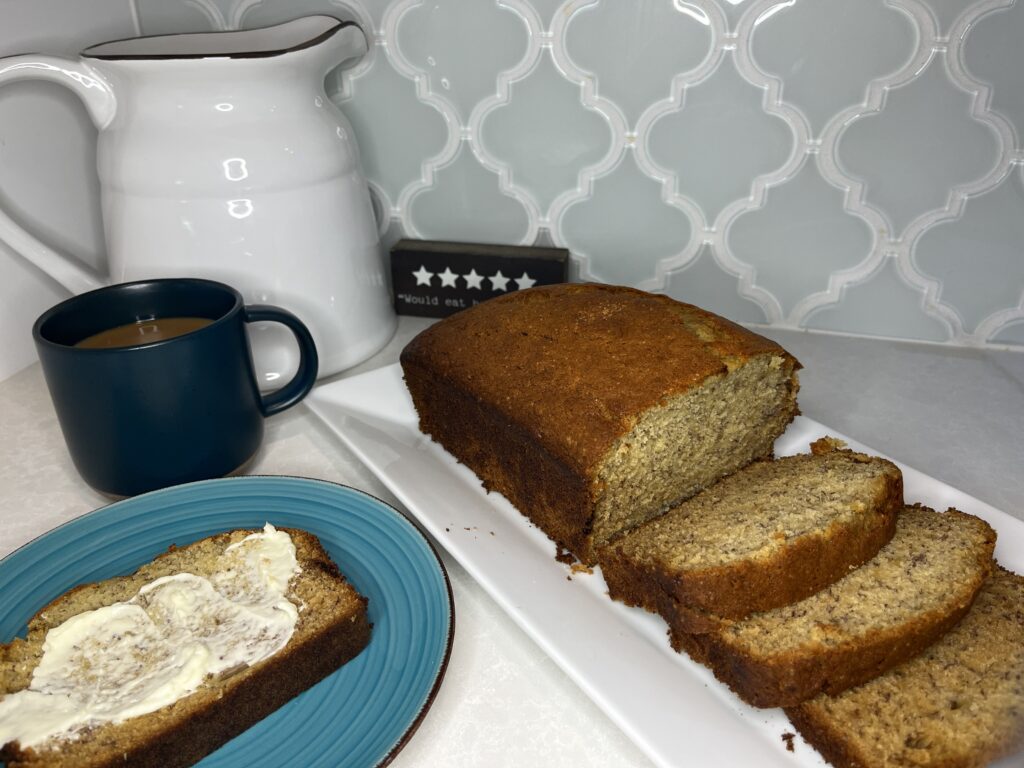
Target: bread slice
[960,703]
[592,408]
[881,614]
[768,535]
[332,628]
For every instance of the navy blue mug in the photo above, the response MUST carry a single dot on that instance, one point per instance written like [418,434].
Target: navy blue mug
[155,414]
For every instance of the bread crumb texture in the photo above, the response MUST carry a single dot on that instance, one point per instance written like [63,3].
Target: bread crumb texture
[758,511]
[933,563]
[691,440]
[959,703]
[879,615]
[769,535]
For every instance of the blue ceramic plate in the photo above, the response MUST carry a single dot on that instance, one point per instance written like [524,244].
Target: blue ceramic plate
[364,713]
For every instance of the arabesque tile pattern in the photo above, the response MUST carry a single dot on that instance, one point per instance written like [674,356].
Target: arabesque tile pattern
[820,164]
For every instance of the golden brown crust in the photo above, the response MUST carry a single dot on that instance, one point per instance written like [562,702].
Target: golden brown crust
[810,565]
[820,734]
[748,586]
[787,680]
[957,705]
[192,727]
[506,460]
[696,601]
[531,390]
[577,347]
[813,667]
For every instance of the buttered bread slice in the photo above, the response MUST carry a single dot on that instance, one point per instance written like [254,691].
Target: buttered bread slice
[884,612]
[960,703]
[769,535]
[162,667]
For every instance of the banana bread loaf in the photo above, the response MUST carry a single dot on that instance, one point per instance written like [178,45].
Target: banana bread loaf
[884,612]
[769,535]
[162,667]
[592,408]
[960,703]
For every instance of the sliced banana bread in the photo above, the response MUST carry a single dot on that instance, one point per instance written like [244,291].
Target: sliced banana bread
[769,535]
[592,408]
[881,614]
[84,688]
[960,703]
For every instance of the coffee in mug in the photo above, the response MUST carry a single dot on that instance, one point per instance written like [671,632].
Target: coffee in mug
[153,381]
[143,332]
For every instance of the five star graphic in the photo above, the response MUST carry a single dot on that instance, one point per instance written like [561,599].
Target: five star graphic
[422,276]
[473,279]
[524,282]
[448,278]
[498,281]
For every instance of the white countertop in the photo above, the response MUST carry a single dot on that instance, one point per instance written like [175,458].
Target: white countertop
[954,413]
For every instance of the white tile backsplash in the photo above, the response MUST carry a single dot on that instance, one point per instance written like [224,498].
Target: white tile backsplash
[920,145]
[976,257]
[463,200]
[875,303]
[622,229]
[799,238]
[393,156]
[634,51]
[705,280]
[569,136]
[719,142]
[820,164]
[823,53]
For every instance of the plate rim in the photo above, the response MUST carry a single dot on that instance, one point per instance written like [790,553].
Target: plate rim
[435,687]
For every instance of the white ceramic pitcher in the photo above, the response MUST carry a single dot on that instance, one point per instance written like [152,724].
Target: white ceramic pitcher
[221,156]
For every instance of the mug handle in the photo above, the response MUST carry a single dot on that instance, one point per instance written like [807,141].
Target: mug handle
[309,361]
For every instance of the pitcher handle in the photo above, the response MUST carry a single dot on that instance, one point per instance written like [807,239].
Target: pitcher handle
[101,105]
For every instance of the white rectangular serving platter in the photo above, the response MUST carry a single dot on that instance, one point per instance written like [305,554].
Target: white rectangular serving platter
[671,707]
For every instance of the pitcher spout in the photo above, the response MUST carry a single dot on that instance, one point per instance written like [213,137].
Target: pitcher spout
[340,43]
[329,41]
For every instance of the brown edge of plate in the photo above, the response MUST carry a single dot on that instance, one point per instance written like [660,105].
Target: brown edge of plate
[443,667]
[409,732]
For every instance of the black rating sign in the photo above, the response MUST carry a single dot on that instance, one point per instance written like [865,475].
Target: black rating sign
[436,279]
